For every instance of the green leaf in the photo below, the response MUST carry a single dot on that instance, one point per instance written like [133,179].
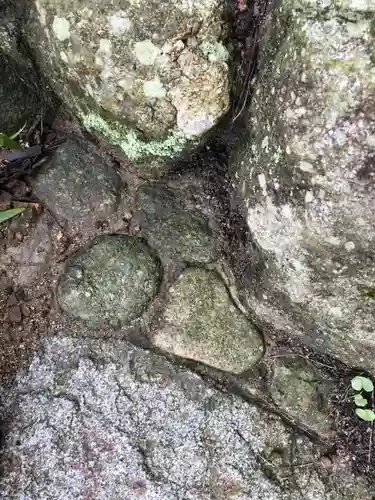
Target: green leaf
[359,400]
[8,142]
[367,384]
[8,214]
[357,383]
[367,415]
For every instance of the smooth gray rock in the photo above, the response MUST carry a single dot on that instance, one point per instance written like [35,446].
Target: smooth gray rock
[111,282]
[77,184]
[304,170]
[102,419]
[172,229]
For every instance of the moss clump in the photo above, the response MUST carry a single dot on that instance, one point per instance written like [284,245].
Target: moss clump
[134,147]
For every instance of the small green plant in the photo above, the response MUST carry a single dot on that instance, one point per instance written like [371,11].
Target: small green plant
[9,142]
[8,214]
[363,386]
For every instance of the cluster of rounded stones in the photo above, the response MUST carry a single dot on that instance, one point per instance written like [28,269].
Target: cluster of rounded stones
[111,283]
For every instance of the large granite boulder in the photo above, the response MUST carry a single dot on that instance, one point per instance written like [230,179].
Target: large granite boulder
[102,419]
[305,172]
[150,76]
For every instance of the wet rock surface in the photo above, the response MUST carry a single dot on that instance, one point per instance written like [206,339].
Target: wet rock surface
[78,184]
[118,422]
[201,322]
[111,282]
[171,228]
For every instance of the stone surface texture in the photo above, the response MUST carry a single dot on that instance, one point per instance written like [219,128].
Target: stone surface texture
[173,229]
[102,419]
[111,282]
[19,96]
[305,176]
[201,322]
[78,184]
[150,76]
[299,390]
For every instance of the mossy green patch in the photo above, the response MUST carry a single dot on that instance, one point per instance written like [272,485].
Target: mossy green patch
[133,146]
[200,322]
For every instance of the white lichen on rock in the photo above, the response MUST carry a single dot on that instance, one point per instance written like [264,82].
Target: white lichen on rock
[158,69]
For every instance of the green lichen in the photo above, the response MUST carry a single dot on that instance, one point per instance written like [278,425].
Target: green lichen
[214,51]
[134,147]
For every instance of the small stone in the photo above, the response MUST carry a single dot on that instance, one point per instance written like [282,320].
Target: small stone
[172,229]
[298,390]
[14,314]
[78,183]
[5,199]
[325,464]
[200,322]
[111,282]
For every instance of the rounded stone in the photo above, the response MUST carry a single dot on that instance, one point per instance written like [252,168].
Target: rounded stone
[111,282]
[171,228]
[78,183]
[201,322]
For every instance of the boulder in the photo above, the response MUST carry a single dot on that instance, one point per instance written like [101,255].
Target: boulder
[111,282]
[77,183]
[305,177]
[102,419]
[20,99]
[151,76]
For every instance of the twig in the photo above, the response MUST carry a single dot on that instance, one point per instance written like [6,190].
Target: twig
[370,447]
[292,354]
[370,438]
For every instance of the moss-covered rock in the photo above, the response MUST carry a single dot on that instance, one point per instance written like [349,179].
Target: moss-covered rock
[171,228]
[77,183]
[200,322]
[305,173]
[150,76]
[111,282]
